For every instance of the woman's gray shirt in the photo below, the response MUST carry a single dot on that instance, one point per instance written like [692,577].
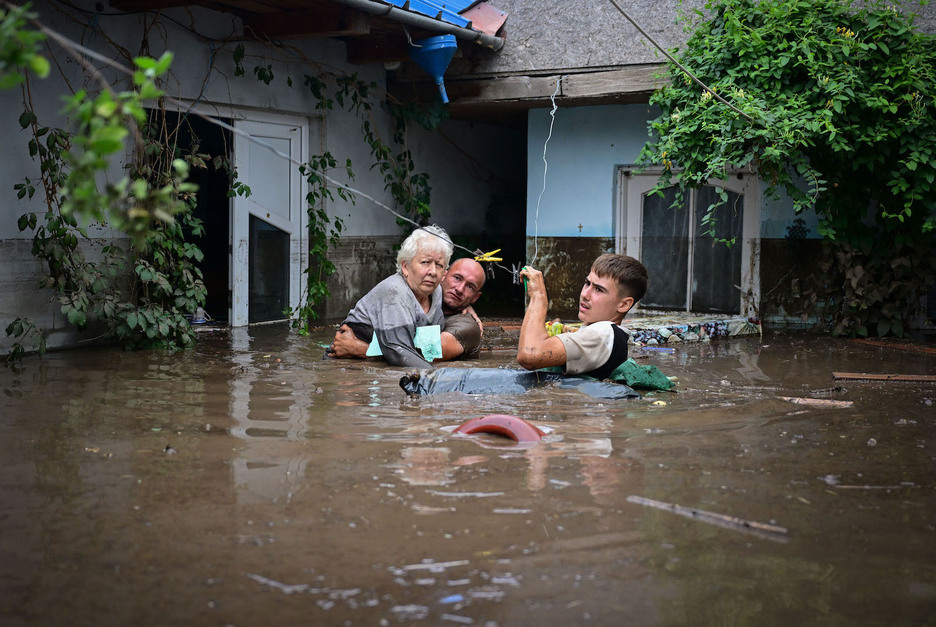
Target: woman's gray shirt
[391,312]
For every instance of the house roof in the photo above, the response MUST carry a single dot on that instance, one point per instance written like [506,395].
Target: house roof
[549,41]
[444,11]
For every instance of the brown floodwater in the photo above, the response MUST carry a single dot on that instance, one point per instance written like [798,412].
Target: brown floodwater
[249,482]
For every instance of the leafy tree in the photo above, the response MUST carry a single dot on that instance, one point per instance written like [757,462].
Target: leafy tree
[832,103]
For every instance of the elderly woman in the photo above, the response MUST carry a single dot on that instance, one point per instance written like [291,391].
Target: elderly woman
[402,302]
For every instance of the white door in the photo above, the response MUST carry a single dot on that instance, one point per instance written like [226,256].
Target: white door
[689,270]
[267,227]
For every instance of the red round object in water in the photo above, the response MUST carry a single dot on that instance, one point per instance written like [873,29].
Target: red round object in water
[517,429]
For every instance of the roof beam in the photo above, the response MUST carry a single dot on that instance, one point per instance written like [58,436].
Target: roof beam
[625,84]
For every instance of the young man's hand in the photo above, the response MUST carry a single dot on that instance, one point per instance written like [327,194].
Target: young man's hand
[536,348]
[535,284]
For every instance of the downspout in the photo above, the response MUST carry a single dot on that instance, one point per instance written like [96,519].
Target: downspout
[424,21]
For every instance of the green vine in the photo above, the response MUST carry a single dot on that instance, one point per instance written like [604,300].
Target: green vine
[324,232]
[410,189]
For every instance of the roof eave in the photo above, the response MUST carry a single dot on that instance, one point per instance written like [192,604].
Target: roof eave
[389,11]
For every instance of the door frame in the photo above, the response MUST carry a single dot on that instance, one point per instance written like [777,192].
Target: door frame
[633,183]
[282,126]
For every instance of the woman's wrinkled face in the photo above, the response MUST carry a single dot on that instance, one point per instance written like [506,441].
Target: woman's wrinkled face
[424,272]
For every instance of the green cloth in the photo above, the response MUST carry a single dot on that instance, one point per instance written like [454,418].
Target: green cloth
[636,376]
[633,375]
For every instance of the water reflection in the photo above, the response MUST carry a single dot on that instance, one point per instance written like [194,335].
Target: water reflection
[264,407]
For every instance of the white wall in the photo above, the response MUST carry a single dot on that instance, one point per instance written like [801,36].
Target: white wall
[586,145]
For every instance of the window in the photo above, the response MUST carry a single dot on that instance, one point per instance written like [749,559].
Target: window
[690,270]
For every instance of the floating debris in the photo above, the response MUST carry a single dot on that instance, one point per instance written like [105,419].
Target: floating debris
[434,566]
[863,376]
[817,402]
[764,530]
[461,494]
[410,612]
[282,587]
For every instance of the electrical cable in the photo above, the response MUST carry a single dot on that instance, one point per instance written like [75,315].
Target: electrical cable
[552,116]
[677,63]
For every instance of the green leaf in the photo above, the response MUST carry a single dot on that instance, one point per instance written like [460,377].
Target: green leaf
[27,118]
[883,326]
[76,316]
[39,66]
[107,140]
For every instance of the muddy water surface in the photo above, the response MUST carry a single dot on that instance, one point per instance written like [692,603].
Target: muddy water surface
[248,482]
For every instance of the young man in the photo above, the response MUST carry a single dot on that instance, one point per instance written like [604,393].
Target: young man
[461,334]
[614,284]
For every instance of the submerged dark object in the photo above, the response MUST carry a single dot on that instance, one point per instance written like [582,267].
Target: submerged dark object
[517,429]
[505,381]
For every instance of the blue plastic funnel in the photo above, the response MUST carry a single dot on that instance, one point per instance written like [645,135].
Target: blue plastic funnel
[433,55]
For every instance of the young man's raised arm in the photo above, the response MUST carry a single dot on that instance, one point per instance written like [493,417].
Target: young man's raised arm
[536,349]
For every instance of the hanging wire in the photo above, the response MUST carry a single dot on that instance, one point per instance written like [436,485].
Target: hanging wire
[677,63]
[552,120]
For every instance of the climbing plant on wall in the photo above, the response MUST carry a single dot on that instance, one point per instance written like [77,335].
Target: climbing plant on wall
[135,293]
[835,107]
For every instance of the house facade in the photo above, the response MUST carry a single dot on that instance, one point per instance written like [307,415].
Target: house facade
[581,75]
[240,77]
[547,113]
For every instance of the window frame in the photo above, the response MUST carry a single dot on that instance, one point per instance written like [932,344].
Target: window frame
[633,183]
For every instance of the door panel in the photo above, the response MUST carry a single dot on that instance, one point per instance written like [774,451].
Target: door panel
[267,226]
[716,268]
[665,242]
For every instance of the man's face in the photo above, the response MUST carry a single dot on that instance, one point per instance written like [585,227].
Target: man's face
[600,300]
[462,284]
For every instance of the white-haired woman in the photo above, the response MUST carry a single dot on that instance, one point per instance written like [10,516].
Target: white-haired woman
[404,301]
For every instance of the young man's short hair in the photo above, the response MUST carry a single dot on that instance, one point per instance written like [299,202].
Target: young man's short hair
[629,274]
